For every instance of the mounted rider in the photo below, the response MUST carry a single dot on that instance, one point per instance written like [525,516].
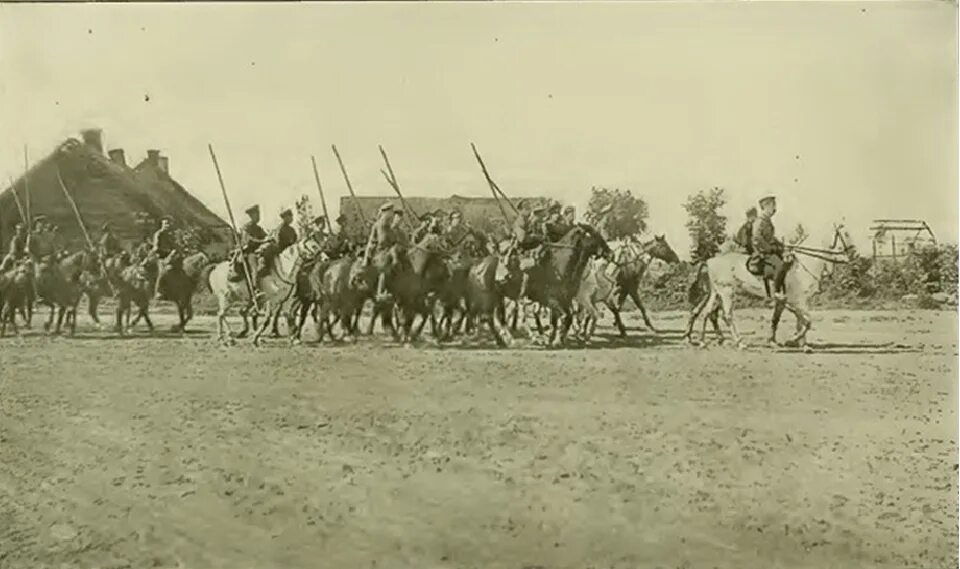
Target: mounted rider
[42,246]
[109,245]
[382,238]
[398,230]
[163,241]
[744,236]
[18,250]
[769,250]
[252,237]
[528,237]
[429,224]
[274,243]
[334,245]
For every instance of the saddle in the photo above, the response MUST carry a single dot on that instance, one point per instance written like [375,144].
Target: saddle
[236,268]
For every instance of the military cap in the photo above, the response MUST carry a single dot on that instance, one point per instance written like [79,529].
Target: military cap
[752,212]
[767,199]
[456,213]
[522,204]
[320,219]
[252,209]
[38,218]
[570,208]
[398,211]
[539,208]
[167,218]
[426,216]
[554,206]
[341,218]
[285,212]
[387,206]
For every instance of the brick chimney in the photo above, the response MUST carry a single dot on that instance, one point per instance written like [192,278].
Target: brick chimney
[93,137]
[153,157]
[118,157]
[164,164]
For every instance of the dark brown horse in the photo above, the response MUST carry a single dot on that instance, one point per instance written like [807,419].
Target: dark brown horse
[178,281]
[483,299]
[57,286]
[334,296]
[419,276]
[554,281]
[16,286]
[134,285]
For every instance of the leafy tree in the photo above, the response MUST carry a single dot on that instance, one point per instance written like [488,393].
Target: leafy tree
[706,225]
[628,214]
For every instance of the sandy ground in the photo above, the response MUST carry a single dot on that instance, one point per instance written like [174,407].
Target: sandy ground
[173,452]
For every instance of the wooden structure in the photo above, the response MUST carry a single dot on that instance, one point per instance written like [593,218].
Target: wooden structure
[895,238]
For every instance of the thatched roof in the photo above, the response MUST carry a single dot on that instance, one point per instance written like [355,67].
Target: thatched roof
[104,190]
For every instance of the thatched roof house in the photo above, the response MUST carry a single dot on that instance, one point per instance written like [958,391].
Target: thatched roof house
[105,188]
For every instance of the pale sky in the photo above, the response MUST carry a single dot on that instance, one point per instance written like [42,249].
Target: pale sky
[840,109]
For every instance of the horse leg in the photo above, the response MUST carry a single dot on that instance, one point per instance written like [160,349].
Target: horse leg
[635,297]
[617,320]
[694,313]
[274,319]
[804,323]
[262,329]
[143,310]
[61,311]
[245,314]
[93,302]
[727,302]
[774,323]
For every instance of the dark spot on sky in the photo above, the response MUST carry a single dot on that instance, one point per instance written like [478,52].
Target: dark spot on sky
[795,180]
[146,97]
[57,103]
[549,95]
[496,39]
[797,156]
[89,31]
[253,64]
[143,29]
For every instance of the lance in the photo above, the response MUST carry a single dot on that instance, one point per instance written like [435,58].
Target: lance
[323,201]
[16,200]
[26,188]
[346,178]
[494,188]
[236,234]
[83,229]
[392,180]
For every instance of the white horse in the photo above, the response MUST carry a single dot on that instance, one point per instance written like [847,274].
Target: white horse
[727,274]
[276,287]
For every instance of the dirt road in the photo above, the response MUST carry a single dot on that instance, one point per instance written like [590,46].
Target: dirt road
[172,452]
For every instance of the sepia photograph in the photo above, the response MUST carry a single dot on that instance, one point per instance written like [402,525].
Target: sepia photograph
[479,285]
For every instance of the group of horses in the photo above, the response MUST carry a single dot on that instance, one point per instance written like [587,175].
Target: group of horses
[456,291]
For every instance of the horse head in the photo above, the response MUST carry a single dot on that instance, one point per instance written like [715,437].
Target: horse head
[658,248]
[592,243]
[843,243]
[508,267]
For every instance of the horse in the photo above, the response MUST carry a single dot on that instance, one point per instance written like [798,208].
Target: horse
[727,274]
[53,288]
[178,280]
[334,297]
[611,282]
[16,286]
[134,286]
[276,287]
[554,282]
[483,299]
[421,274]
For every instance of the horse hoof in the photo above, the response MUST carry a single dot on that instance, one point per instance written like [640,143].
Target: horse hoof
[741,346]
[807,349]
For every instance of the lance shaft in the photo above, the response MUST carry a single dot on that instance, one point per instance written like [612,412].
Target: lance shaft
[236,234]
[323,201]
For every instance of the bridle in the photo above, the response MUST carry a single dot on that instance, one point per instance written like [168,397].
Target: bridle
[301,258]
